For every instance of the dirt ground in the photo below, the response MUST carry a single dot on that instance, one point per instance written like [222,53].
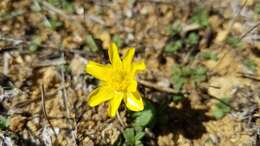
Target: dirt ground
[201,86]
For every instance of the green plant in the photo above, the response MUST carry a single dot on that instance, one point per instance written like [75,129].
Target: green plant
[66,5]
[177,97]
[52,23]
[200,16]
[146,117]
[221,108]
[35,43]
[181,75]
[117,40]
[3,122]
[133,137]
[208,55]
[173,47]
[90,41]
[234,42]
[192,39]
[199,74]
[250,64]
[257,8]
[36,6]
[174,29]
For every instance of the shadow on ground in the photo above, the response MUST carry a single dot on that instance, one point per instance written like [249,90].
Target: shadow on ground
[185,121]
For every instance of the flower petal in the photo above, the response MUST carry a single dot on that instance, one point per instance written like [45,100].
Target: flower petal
[134,101]
[132,86]
[114,55]
[99,96]
[98,70]
[115,103]
[138,66]
[127,60]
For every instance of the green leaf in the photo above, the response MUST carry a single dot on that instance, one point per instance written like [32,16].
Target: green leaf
[174,29]
[257,8]
[250,64]
[36,6]
[54,2]
[179,82]
[68,6]
[52,23]
[199,74]
[173,47]
[181,75]
[177,97]
[91,43]
[139,135]
[192,39]
[35,43]
[220,109]
[234,41]
[145,117]
[116,39]
[3,122]
[200,16]
[138,143]
[208,55]
[186,71]
[129,135]
[217,113]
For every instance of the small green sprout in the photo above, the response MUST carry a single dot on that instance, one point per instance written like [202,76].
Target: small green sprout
[235,42]
[250,64]
[90,41]
[192,39]
[173,47]
[133,137]
[208,55]
[177,97]
[257,8]
[220,109]
[181,75]
[146,117]
[117,40]
[200,16]
[35,43]
[36,7]
[174,29]
[66,5]
[199,74]
[3,123]
[52,23]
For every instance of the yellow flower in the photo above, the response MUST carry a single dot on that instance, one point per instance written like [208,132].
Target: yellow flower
[118,81]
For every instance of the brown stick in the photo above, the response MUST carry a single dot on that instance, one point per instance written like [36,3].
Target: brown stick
[250,30]
[157,87]
[44,111]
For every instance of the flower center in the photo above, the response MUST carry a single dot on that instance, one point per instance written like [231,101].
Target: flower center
[120,81]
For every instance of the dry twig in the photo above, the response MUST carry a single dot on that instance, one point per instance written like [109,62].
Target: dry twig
[249,76]
[65,101]
[250,30]
[44,111]
[120,120]
[48,96]
[157,87]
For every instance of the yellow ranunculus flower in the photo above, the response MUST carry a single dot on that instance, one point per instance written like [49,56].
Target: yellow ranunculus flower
[118,81]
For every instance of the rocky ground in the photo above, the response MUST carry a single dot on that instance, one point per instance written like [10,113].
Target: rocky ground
[201,86]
